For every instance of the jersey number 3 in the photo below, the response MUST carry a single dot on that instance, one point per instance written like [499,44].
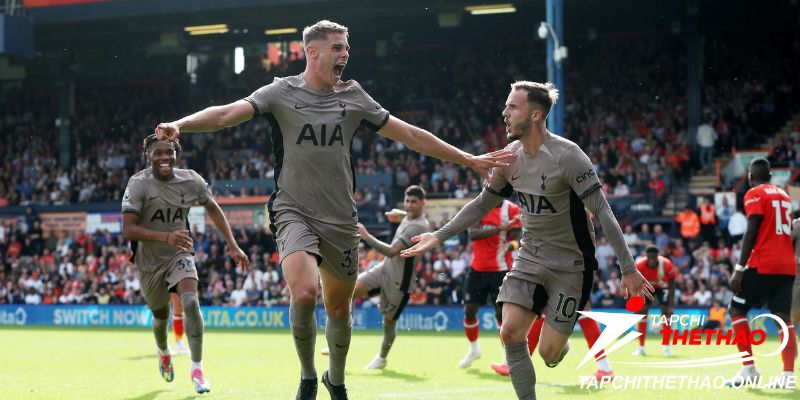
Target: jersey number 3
[782,228]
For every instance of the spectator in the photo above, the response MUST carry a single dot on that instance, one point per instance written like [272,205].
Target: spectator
[708,220]
[717,316]
[724,214]
[737,225]
[690,224]
[702,296]
[706,140]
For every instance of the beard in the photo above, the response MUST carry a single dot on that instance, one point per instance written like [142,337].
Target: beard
[518,130]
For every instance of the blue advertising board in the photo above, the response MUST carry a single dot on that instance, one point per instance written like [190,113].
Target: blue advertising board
[433,319]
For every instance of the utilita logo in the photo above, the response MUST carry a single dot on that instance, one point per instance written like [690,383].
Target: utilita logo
[617,324]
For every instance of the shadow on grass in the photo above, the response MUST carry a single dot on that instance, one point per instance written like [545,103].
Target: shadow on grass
[386,373]
[140,357]
[148,396]
[774,393]
[487,375]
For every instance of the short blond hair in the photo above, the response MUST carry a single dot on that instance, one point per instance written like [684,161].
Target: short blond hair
[544,95]
[320,30]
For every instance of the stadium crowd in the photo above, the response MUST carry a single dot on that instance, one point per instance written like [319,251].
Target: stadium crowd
[636,137]
[77,268]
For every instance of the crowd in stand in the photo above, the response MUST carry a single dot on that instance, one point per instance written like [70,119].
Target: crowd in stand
[631,121]
[61,268]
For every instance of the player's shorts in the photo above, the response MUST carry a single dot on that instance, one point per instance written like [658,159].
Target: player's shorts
[336,246]
[661,296]
[758,289]
[482,286]
[157,285]
[557,294]
[796,294]
[393,300]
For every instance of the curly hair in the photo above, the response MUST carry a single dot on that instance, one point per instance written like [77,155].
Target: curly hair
[152,139]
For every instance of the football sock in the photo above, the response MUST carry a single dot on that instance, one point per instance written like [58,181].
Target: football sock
[177,326]
[389,334]
[741,327]
[520,368]
[471,330]
[534,334]
[338,333]
[303,321]
[160,332]
[788,353]
[194,324]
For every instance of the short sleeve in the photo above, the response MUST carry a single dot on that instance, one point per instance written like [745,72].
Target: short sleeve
[263,98]
[578,170]
[498,183]
[410,232]
[202,190]
[373,115]
[133,198]
[752,203]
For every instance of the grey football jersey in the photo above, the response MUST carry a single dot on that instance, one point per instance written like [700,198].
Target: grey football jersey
[164,207]
[401,270]
[311,134]
[557,232]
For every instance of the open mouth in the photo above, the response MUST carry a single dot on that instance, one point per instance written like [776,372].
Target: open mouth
[165,167]
[338,69]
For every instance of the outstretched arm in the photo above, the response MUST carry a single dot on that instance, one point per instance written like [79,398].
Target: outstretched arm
[469,215]
[219,220]
[424,142]
[388,250]
[633,283]
[208,120]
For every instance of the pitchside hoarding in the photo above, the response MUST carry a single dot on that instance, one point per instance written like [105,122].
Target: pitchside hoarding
[414,318]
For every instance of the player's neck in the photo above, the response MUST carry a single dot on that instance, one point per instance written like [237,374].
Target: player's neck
[534,140]
[314,80]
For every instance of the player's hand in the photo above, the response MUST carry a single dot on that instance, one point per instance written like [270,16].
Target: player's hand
[635,285]
[240,258]
[167,131]
[510,224]
[395,216]
[424,242]
[736,282]
[483,163]
[362,230]
[181,239]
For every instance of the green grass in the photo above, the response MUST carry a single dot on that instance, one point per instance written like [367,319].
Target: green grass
[49,363]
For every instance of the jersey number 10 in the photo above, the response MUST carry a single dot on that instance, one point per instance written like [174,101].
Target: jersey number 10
[782,228]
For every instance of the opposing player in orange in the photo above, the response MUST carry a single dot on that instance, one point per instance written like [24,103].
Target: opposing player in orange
[177,324]
[766,270]
[491,259]
[658,270]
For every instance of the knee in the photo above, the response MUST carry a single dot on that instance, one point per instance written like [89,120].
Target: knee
[470,313]
[190,303]
[161,313]
[511,335]
[338,311]
[304,295]
[549,353]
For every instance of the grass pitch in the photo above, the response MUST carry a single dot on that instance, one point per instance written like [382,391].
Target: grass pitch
[103,363]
